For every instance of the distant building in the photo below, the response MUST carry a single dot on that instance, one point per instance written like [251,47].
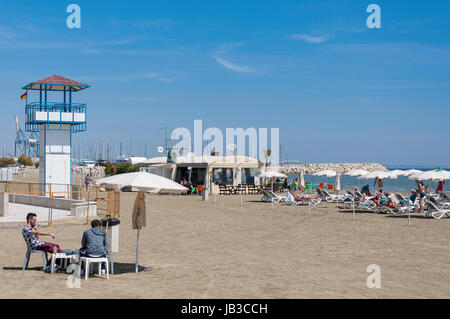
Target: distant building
[206,170]
[130,159]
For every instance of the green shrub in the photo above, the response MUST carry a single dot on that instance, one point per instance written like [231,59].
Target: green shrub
[7,161]
[126,168]
[25,160]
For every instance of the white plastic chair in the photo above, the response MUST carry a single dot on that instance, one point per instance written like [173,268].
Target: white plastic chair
[90,260]
[437,212]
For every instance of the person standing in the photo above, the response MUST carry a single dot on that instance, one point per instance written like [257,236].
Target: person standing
[87,181]
[440,187]
[421,191]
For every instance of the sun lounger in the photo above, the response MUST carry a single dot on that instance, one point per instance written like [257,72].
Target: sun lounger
[435,211]
[293,202]
[269,196]
[439,204]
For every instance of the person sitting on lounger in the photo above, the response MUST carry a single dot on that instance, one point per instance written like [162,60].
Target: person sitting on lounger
[383,200]
[300,198]
[31,234]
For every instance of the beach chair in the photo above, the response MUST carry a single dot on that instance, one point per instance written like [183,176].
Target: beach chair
[435,211]
[223,190]
[293,202]
[269,196]
[251,189]
[332,197]
[440,204]
[368,206]
[34,251]
[325,195]
[98,260]
[242,188]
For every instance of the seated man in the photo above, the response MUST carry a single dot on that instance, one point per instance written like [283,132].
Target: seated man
[365,191]
[94,243]
[31,234]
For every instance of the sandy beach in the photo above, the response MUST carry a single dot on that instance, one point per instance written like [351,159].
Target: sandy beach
[203,249]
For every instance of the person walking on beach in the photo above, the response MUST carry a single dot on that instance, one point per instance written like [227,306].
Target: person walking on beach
[87,181]
[421,191]
[31,234]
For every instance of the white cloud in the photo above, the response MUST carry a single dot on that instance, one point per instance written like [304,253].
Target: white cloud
[234,67]
[126,78]
[309,38]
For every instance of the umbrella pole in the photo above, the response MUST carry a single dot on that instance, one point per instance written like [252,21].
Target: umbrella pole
[309,207]
[354,199]
[272,193]
[241,197]
[409,213]
[137,250]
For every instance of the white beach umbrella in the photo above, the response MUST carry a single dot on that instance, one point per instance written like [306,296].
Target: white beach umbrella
[302,179]
[144,182]
[396,173]
[337,182]
[327,173]
[431,175]
[270,173]
[412,171]
[356,172]
[445,174]
[376,174]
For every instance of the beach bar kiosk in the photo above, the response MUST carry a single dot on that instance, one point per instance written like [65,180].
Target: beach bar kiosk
[55,122]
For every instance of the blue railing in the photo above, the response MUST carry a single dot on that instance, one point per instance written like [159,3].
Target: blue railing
[55,107]
[66,120]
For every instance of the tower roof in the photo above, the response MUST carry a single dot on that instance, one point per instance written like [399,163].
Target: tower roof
[56,83]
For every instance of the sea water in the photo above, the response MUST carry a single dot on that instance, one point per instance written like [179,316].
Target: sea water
[402,184]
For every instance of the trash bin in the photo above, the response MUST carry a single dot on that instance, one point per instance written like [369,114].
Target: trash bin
[112,233]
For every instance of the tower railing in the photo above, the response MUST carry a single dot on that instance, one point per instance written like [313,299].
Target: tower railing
[57,116]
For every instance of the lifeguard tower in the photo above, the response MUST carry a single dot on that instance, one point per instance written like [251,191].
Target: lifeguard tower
[55,122]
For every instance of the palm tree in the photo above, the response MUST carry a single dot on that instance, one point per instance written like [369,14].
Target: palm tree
[267,154]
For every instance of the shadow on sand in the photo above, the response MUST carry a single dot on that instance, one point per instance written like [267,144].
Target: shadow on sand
[126,268]
[119,268]
[20,268]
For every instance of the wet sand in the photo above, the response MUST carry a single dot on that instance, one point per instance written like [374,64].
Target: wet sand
[221,250]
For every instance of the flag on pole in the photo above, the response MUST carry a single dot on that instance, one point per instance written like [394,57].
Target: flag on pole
[24,96]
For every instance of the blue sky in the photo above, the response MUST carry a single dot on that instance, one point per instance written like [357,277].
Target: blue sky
[338,91]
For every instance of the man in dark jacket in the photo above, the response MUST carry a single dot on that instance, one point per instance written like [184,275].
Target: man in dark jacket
[94,243]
